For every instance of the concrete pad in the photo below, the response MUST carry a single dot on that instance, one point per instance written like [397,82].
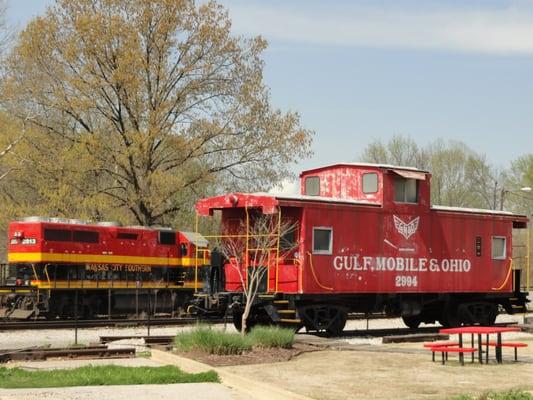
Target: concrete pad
[204,391]
[253,388]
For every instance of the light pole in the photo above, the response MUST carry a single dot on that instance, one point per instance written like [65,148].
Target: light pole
[525,189]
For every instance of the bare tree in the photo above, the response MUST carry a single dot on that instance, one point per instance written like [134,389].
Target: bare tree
[253,250]
[6,31]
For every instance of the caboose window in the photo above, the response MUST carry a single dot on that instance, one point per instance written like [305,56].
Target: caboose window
[127,235]
[85,236]
[370,183]
[498,247]
[57,235]
[167,237]
[405,190]
[322,240]
[312,186]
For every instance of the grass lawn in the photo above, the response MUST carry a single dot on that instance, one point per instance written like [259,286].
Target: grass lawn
[512,395]
[100,375]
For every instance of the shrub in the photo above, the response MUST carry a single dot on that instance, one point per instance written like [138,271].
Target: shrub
[213,341]
[272,336]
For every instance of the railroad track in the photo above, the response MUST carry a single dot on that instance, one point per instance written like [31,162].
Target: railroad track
[32,354]
[9,325]
[383,332]
[69,324]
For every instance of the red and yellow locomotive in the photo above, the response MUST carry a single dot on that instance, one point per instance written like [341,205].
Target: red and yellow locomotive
[368,241]
[114,269]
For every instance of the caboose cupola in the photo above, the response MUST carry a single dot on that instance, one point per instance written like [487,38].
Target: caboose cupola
[374,183]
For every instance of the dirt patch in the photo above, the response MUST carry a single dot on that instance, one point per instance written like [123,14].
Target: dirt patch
[258,355]
[397,371]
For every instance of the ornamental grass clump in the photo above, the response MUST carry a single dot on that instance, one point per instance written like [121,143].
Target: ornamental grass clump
[272,337]
[213,341]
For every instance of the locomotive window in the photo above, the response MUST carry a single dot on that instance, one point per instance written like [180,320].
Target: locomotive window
[126,235]
[370,183]
[405,190]
[167,237]
[322,240]
[85,236]
[498,248]
[312,186]
[57,235]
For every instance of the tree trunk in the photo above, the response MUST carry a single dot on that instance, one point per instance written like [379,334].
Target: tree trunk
[245,314]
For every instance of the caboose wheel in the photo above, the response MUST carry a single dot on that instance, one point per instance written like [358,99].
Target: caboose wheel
[329,318]
[412,321]
[483,313]
[337,324]
[450,318]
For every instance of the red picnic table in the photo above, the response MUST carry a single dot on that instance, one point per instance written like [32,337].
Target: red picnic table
[481,330]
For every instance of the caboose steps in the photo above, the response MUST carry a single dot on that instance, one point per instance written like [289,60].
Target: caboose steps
[266,296]
[290,320]
[286,311]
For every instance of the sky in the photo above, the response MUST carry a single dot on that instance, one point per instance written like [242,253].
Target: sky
[360,71]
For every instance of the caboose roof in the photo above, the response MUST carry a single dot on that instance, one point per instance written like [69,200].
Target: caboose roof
[268,202]
[474,210]
[347,164]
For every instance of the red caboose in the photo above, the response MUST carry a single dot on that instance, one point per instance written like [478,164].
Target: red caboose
[112,268]
[368,240]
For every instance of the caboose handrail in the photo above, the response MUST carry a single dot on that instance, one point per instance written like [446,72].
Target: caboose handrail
[277,250]
[247,247]
[313,272]
[528,261]
[507,277]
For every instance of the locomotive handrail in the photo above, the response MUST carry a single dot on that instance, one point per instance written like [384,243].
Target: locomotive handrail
[313,273]
[507,277]
[34,272]
[46,273]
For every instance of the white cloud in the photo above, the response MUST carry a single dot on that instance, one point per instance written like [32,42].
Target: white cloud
[501,31]
[287,186]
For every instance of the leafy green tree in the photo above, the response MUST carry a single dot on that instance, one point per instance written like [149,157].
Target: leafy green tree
[146,104]
[460,176]
[520,176]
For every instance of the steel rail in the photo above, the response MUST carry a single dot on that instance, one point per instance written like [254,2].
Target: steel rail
[69,324]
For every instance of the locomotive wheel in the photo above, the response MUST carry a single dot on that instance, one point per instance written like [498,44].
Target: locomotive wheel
[329,318]
[412,322]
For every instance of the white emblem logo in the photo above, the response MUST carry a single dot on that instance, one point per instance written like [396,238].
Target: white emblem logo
[406,229]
